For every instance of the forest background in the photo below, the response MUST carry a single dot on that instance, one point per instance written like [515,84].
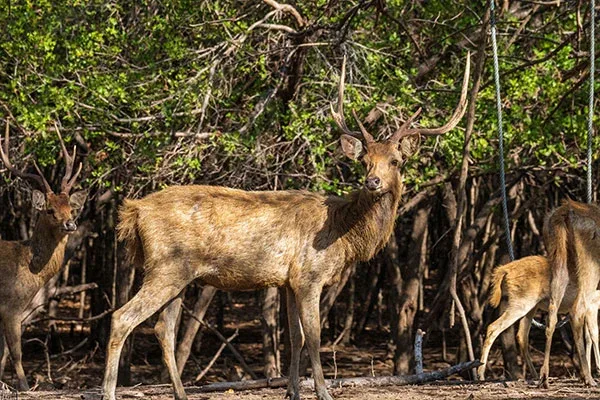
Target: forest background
[238,93]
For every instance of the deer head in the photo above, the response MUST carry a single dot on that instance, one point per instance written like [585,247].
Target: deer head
[383,159]
[58,210]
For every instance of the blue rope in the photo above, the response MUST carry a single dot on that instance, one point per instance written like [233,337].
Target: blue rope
[590,121]
[500,134]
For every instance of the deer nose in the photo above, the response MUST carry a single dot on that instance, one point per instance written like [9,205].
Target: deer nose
[70,226]
[373,183]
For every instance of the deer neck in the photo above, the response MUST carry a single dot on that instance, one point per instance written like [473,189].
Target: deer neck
[48,245]
[369,221]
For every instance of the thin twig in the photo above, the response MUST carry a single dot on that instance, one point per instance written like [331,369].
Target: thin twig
[214,330]
[216,356]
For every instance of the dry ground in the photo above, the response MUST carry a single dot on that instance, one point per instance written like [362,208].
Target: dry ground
[78,374]
[454,390]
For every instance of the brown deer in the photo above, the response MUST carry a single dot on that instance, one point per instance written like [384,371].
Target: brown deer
[239,240]
[524,287]
[26,266]
[572,238]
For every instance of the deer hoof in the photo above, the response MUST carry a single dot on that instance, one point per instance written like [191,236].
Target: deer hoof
[481,372]
[590,382]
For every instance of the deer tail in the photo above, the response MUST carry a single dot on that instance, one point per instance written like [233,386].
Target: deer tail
[496,288]
[556,237]
[127,232]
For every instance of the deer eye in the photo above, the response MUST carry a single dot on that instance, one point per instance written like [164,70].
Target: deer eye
[395,163]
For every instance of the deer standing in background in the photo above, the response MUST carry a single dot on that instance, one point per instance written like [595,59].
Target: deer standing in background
[26,266]
[524,287]
[239,240]
[572,237]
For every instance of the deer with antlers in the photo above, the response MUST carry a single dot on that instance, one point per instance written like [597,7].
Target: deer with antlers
[239,240]
[26,266]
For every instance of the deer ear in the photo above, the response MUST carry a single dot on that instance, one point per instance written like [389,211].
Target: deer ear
[409,145]
[39,200]
[351,146]
[77,200]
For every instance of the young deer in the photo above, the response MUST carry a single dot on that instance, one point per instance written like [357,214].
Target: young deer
[572,237]
[524,287]
[238,240]
[26,266]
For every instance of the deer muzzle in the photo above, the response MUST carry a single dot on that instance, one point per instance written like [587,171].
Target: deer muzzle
[70,226]
[373,183]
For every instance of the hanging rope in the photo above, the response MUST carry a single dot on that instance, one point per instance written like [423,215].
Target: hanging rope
[590,130]
[500,134]
[590,126]
[509,244]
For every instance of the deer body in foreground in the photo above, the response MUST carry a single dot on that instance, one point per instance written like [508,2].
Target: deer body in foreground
[572,237]
[238,240]
[524,287]
[26,266]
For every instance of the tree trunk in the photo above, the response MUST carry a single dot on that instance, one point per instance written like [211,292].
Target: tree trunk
[125,275]
[191,327]
[346,334]
[408,293]
[270,322]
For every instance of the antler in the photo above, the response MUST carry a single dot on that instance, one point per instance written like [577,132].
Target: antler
[405,129]
[4,151]
[339,115]
[68,181]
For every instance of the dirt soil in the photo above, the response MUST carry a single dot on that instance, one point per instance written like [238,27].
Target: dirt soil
[69,370]
[559,389]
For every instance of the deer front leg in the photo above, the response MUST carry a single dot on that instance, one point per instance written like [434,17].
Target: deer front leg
[12,334]
[165,332]
[153,294]
[296,342]
[308,303]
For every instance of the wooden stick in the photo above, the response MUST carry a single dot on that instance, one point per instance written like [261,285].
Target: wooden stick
[61,291]
[337,383]
[419,352]
[216,356]
[223,339]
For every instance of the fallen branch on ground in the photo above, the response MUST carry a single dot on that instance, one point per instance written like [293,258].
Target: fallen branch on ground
[336,383]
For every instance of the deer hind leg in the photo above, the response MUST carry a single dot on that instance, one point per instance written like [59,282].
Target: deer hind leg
[560,279]
[578,324]
[591,322]
[296,342]
[513,312]
[12,334]
[523,341]
[154,293]
[308,303]
[165,332]
[591,338]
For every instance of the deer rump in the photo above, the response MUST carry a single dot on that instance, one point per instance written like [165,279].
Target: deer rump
[237,240]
